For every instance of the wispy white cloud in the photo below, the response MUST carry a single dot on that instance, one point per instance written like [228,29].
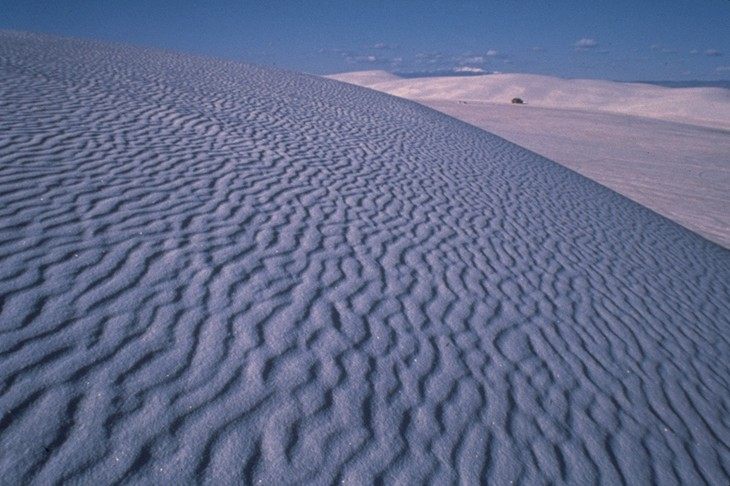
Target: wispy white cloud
[363,59]
[469,69]
[723,69]
[469,58]
[713,53]
[371,60]
[585,44]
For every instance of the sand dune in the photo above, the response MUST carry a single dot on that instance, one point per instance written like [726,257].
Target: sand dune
[699,106]
[217,272]
[680,170]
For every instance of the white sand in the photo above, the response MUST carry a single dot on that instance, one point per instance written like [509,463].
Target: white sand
[680,170]
[223,274]
[698,106]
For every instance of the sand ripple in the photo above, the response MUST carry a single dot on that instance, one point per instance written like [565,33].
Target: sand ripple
[212,271]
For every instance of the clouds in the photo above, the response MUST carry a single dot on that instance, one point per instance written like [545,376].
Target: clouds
[379,55]
[370,58]
[383,46]
[399,58]
[585,44]
[375,60]
[469,69]
[588,44]
[693,52]
[478,58]
[464,62]
[426,63]
[669,60]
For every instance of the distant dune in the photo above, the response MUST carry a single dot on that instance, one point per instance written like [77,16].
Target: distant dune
[680,170]
[699,106]
[212,272]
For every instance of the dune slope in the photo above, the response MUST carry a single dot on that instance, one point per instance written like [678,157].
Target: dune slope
[680,170]
[212,271]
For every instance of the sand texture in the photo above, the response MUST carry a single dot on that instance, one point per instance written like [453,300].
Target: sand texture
[213,272]
[681,171]
[623,135]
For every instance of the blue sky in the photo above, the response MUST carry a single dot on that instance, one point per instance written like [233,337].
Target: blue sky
[625,40]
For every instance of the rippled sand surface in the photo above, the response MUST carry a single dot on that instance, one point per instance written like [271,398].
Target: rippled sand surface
[216,272]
